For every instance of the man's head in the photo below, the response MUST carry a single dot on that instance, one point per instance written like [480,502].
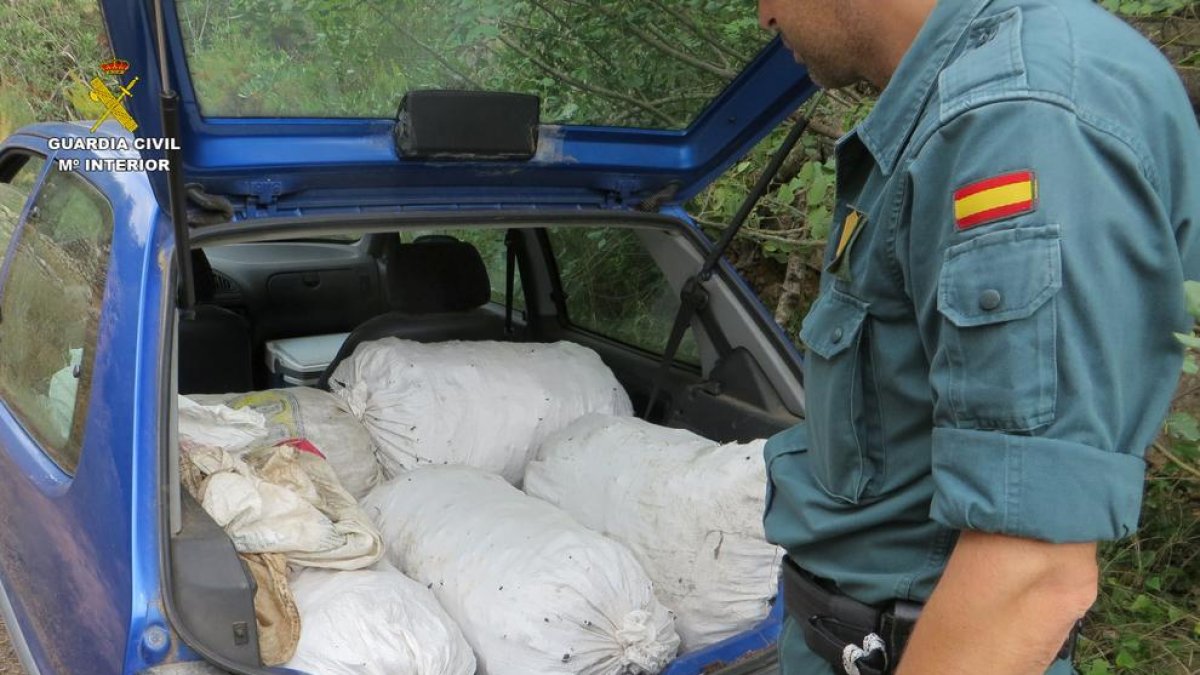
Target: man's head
[846,41]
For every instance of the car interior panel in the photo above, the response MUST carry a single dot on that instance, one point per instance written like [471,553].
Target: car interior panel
[437,287]
[216,340]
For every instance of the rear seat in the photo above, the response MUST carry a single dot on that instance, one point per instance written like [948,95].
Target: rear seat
[214,342]
[437,287]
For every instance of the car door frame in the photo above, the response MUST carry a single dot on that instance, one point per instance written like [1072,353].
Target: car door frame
[79,591]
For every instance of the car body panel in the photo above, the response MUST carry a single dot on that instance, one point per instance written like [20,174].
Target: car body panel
[68,542]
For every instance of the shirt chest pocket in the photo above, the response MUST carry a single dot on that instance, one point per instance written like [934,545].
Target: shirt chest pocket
[997,364]
[836,370]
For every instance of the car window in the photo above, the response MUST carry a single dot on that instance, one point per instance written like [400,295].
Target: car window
[587,61]
[615,289]
[14,192]
[490,244]
[51,309]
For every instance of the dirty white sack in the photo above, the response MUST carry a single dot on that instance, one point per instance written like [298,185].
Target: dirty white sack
[689,508]
[374,621]
[216,425]
[319,417]
[282,499]
[482,404]
[64,384]
[532,589]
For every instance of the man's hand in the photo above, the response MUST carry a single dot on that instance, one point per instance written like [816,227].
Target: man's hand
[1005,605]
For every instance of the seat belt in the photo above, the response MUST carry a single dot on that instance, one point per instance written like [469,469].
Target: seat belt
[510,278]
[693,297]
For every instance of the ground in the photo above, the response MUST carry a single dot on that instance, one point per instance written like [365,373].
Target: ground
[8,658]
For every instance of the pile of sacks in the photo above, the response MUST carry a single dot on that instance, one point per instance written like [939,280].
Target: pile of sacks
[630,542]
[483,404]
[272,468]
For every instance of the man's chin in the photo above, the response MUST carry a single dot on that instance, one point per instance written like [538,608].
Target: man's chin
[830,80]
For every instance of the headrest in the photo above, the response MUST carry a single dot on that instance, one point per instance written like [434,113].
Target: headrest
[438,274]
[202,276]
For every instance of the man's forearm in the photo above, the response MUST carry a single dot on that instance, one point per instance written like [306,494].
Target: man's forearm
[1004,605]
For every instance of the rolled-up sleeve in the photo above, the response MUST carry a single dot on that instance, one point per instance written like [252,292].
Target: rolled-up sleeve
[1047,322]
[1040,488]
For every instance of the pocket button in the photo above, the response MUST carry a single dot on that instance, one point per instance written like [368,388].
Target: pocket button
[838,334]
[989,299]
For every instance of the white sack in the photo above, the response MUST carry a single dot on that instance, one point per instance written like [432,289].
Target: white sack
[532,590]
[216,425]
[319,417]
[483,404]
[374,622]
[60,398]
[690,510]
[282,500]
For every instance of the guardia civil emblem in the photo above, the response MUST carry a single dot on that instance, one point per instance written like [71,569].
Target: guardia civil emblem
[114,103]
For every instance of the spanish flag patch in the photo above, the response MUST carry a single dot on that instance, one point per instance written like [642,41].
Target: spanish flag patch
[995,199]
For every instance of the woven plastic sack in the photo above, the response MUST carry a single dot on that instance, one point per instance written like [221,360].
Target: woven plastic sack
[532,590]
[689,509]
[374,622]
[482,404]
[282,499]
[319,417]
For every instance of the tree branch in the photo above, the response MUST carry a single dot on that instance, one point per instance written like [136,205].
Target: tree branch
[578,84]
[436,54]
[656,43]
[777,236]
[686,21]
[1176,459]
[570,30]
[793,286]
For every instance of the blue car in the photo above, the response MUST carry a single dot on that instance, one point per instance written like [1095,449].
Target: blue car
[211,216]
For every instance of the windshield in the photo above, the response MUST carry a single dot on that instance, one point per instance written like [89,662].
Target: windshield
[632,63]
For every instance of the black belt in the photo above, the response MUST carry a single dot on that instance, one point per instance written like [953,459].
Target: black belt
[836,627]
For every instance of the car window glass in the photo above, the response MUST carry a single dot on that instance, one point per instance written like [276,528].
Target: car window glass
[615,289]
[13,195]
[490,244]
[627,63]
[51,308]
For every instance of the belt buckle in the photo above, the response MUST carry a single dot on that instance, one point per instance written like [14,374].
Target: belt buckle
[905,611]
[896,625]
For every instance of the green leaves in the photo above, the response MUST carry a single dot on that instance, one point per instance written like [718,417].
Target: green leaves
[1183,426]
[1191,292]
[1145,7]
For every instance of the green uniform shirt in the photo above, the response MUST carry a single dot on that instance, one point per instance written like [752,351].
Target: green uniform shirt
[992,346]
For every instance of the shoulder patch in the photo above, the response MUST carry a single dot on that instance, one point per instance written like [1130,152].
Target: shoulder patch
[995,198]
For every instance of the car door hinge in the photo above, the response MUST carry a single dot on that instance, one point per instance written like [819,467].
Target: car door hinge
[664,196]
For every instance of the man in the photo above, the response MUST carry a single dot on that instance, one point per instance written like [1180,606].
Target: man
[992,350]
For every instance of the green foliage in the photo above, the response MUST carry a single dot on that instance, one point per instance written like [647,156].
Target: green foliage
[792,221]
[616,289]
[50,48]
[1148,616]
[588,61]
[1146,7]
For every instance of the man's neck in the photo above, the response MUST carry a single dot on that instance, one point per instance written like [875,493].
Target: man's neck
[896,29]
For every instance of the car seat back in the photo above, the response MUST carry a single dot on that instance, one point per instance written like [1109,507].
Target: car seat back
[438,289]
[215,354]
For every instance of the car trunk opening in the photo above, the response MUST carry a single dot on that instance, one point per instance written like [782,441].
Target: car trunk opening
[728,384]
